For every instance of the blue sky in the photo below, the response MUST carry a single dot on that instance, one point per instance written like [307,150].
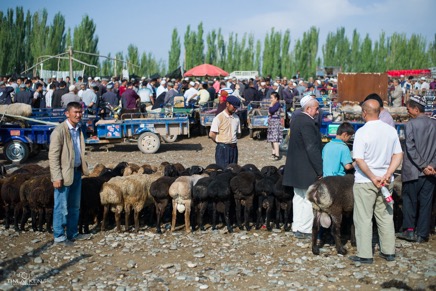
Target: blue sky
[149,25]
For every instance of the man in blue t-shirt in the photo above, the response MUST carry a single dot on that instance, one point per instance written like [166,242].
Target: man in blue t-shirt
[336,156]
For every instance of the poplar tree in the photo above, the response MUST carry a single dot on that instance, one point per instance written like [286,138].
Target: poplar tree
[85,40]
[56,40]
[198,49]
[211,54]
[132,59]
[174,53]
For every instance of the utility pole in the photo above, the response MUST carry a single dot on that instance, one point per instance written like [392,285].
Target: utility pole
[70,57]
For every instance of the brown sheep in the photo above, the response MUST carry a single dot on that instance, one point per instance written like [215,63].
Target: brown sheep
[331,198]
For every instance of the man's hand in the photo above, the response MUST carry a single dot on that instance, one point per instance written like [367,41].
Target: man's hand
[58,184]
[378,181]
[429,171]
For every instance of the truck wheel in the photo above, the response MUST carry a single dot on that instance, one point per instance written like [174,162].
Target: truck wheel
[16,151]
[169,138]
[148,143]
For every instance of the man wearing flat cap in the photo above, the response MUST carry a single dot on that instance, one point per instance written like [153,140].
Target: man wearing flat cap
[224,130]
[418,172]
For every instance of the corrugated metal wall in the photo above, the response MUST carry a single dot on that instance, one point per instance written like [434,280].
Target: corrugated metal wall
[356,86]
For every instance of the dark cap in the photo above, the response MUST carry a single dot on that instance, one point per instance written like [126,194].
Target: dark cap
[418,99]
[234,101]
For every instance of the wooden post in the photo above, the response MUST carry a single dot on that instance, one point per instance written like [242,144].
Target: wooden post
[70,57]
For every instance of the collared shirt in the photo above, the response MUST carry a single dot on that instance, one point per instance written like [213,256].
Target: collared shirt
[227,127]
[75,136]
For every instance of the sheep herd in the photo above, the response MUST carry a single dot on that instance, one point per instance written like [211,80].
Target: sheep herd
[241,195]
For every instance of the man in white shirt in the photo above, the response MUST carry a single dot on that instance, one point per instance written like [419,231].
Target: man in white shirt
[424,85]
[191,93]
[378,154]
[162,88]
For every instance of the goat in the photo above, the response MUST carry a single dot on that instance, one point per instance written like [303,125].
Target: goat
[265,194]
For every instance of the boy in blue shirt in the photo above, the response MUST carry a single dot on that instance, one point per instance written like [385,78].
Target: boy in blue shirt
[336,156]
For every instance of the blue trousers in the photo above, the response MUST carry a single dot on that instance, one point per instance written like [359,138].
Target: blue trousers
[226,154]
[417,204]
[66,209]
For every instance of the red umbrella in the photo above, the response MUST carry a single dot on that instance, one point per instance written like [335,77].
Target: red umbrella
[206,70]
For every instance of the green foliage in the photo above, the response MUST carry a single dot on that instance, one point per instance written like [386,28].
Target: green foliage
[174,53]
[25,38]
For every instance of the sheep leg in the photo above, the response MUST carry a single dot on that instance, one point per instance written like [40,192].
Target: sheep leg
[136,218]
[268,213]
[174,216]
[25,217]
[118,220]
[247,210]
[353,236]
[159,213]
[81,219]
[259,213]
[214,215]
[203,207]
[227,216]
[336,232]
[49,219]
[287,215]
[16,216]
[188,216]
[126,217]
[103,222]
[315,230]
[238,213]
[278,214]
[40,219]
[7,215]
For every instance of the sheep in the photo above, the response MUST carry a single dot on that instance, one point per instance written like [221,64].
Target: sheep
[97,170]
[243,188]
[181,193]
[159,191]
[10,190]
[283,201]
[111,197]
[331,197]
[265,194]
[37,193]
[201,198]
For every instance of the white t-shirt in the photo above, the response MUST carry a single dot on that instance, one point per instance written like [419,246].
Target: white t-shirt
[160,90]
[375,143]
[144,94]
[190,93]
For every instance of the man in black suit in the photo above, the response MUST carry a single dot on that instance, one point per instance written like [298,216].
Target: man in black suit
[303,164]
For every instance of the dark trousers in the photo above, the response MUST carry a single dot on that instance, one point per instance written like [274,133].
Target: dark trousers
[417,204]
[226,154]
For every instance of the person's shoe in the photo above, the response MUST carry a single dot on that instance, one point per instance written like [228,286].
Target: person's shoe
[84,236]
[66,243]
[420,239]
[361,260]
[407,235]
[388,258]
[302,235]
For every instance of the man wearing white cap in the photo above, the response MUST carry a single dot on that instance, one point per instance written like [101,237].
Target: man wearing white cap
[303,164]
[191,93]
[162,88]
[425,86]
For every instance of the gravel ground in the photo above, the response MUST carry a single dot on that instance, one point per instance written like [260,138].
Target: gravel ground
[214,260]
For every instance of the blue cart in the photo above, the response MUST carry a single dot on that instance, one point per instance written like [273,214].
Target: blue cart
[20,143]
[146,131]
[258,117]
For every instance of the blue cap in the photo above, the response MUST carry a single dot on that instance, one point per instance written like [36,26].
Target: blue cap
[234,101]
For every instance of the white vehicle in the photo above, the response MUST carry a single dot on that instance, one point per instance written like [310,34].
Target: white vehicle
[244,74]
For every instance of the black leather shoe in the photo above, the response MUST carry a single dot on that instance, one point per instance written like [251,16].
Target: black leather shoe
[361,260]
[407,235]
[421,239]
[388,258]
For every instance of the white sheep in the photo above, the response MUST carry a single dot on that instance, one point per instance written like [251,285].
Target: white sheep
[181,193]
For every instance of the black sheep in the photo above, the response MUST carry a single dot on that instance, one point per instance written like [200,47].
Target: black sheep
[243,189]
[220,194]
[283,201]
[265,195]
[159,191]
[201,199]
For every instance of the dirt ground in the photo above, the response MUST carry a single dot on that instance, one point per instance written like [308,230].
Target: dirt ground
[214,260]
